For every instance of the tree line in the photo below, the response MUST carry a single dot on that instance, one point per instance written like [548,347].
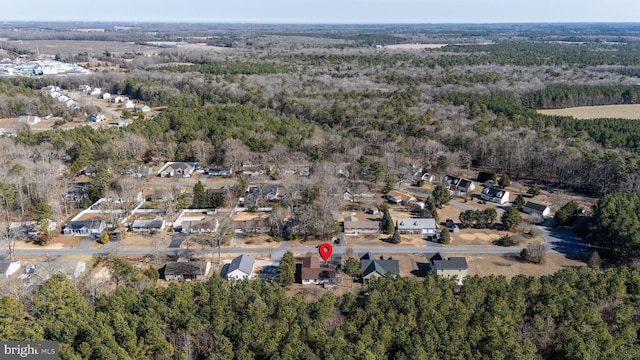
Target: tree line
[577,313]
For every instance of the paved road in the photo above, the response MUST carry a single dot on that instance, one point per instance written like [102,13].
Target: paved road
[276,252]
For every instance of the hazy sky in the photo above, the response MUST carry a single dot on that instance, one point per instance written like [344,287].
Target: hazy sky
[324,11]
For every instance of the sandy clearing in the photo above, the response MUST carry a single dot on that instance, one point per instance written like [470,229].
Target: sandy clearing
[629,111]
[414,46]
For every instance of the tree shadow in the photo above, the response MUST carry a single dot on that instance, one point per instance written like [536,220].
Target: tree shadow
[422,271]
[566,242]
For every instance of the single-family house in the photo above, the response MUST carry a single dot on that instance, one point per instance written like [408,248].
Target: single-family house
[258,195]
[425,226]
[97,117]
[31,120]
[536,209]
[241,267]
[396,197]
[142,107]
[312,273]
[117,99]
[105,96]
[85,88]
[352,225]
[50,88]
[453,267]
[200,226]
[352,196]
[187,271]
[72,269]
[152,225]
[220,171]
[251,226]
[95,91]
[374,268]
[254,170]
[72,104]
[28,228]
[172,169]
[84,227]
[460,185]
[128,104]
[8,267]
[494,194]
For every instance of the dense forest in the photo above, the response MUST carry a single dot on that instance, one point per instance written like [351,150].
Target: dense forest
[574,314]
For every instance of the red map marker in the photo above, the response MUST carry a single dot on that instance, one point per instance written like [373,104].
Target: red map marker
[325,251]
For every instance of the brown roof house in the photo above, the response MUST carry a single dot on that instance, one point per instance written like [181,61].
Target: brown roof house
[312,273]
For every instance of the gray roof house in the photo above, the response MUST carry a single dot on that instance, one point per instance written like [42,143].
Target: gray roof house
[426,226]
[495,195]
[258,195]
[156,224]
[373,268]
[352,225]
[8,267]
[84,227]
[453,267]
[187,271]
[172,169]
[536,209]
[459,184]
[241,267]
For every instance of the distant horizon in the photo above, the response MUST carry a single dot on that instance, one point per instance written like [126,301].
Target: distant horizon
[308,12]
[130,22]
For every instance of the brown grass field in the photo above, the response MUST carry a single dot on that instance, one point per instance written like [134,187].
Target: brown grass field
[631,111]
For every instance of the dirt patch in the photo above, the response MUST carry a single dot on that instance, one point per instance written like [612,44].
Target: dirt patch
[628,111]
[245,215]
[510,265]
[414,46]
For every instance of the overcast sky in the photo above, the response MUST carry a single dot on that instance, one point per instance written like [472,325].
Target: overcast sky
[324,11]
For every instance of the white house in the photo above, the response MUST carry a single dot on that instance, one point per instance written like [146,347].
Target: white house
[97,117]
[459,184]
[495,195]
[84,227]
[426,226]
[241,268]
[8,267]
[105,96]
[172,169]
[536,209]
[95,91]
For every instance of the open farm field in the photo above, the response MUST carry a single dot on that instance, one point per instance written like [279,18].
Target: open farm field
[627,111]
[73,47]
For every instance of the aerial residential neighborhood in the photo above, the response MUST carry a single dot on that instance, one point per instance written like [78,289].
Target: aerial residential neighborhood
[195,190]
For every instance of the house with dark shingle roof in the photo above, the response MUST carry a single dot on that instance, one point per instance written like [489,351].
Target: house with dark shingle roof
[156,224]
[453,267]
[536,209]
[187,271]
[374,268]
[460,185]
[494,194]
[84,227]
